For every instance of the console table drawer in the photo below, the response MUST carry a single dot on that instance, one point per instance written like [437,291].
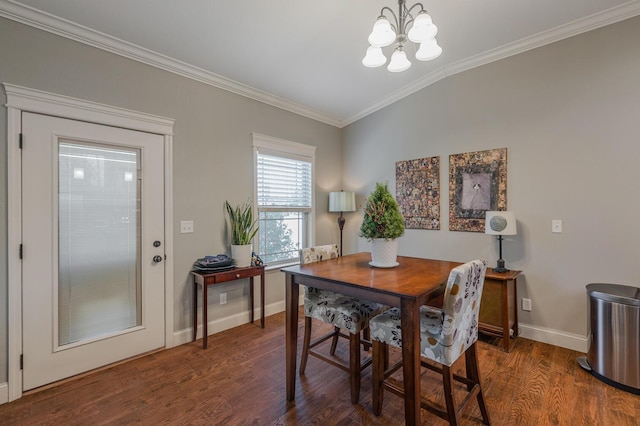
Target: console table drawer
[235,275]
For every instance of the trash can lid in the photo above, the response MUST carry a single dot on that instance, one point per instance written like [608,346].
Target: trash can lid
[618,293]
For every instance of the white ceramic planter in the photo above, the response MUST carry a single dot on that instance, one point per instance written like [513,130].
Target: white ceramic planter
[384,253]
[241,255]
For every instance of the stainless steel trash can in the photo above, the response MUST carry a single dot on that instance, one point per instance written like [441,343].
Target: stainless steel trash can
[614,350]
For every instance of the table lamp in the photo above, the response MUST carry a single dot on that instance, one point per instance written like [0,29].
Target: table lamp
[342,202]
[500,223]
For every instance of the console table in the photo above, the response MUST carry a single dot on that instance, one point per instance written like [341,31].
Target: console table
[205,279]
[499,308]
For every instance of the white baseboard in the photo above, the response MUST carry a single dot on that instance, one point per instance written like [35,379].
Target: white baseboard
[185,336]
[571,341]
[4,393]
[554,337]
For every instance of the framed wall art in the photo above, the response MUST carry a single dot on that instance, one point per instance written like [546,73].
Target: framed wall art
[418,192]
[477,183]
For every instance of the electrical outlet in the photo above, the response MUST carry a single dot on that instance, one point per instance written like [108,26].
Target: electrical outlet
[556,226]
[186,226]
[526,304]
[223,298]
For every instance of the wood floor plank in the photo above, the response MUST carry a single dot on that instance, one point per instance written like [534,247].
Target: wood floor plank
[239,380]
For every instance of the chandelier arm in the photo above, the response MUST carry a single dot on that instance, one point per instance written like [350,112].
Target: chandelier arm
[408,14]
[395,18]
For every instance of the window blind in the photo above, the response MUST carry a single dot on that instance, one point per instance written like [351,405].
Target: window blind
[283,183]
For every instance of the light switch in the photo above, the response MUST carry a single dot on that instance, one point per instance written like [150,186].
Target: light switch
[556,226]
[186,226]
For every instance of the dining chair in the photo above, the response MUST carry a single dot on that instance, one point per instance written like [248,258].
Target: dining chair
[343,312]
[445,335]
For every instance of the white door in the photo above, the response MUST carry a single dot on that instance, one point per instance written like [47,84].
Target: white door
[93,255]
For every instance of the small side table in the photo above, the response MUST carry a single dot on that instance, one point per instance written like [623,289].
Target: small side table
[205,279]
[498,308]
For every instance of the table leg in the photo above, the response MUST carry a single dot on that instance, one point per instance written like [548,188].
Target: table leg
[291,332]
[251,299]
[516,330]
[262,299]
[195,309]
[410,323]
[506,335]
[205,321]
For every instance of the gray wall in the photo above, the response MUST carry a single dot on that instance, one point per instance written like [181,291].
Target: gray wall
[212,160]
[569,116]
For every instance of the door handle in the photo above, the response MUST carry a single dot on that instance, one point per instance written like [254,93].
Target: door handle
[157,259]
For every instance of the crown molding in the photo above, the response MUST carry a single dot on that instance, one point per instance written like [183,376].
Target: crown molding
[50,23]
[55,25]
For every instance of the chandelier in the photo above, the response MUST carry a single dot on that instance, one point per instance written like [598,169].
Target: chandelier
[420,31]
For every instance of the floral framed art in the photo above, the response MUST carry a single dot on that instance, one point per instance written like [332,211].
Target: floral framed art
[418,192]
[477,183]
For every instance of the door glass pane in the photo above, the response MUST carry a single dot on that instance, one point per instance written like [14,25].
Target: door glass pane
[99,240]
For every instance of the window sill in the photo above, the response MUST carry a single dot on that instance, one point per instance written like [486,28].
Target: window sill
[270,268]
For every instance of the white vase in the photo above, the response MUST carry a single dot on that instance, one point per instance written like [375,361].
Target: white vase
[384,253]
[241,255]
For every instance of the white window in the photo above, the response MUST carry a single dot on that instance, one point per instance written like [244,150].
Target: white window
[284,198]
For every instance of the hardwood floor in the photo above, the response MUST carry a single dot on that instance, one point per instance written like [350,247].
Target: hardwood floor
[239,380]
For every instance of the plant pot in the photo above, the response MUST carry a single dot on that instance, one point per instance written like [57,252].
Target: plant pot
[384,253]
[241,255]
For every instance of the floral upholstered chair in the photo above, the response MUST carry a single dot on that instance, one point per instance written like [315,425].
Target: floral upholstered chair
[343,312]
[445,335]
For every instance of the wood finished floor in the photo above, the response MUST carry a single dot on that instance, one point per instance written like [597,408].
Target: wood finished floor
[239,380]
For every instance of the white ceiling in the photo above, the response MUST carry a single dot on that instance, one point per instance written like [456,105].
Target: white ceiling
[305,56]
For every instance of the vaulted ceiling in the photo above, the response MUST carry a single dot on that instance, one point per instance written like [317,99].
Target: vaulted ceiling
[305,56]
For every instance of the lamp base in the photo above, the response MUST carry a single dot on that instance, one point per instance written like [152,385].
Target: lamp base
[341,221]
[500,267]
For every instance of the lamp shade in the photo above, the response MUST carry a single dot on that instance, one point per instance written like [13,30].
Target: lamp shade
[343,201]
[399,61]
[382,34]
[374,57]
[422,29]
[428,50]
[500,223]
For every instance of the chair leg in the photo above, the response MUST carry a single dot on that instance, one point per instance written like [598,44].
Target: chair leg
[366,335]
[473,374]
[380,359]
[447,379]
[305,344]
[354,366]
[334,341]
[386,357]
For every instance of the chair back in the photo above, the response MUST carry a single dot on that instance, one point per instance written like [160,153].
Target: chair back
[318,253]
[461,306]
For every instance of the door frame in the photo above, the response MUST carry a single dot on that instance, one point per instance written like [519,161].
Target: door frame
[22,99]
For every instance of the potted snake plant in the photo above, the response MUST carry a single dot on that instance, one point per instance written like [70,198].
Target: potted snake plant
[243,228]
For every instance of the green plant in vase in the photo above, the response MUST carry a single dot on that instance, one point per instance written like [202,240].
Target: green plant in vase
[382,217]
[382,224]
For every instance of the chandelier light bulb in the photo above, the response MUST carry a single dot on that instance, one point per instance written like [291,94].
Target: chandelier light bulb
[382,34]
[428,50]
[374,57]
[399,61]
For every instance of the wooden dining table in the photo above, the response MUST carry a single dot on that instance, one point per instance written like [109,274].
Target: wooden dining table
[408,286]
